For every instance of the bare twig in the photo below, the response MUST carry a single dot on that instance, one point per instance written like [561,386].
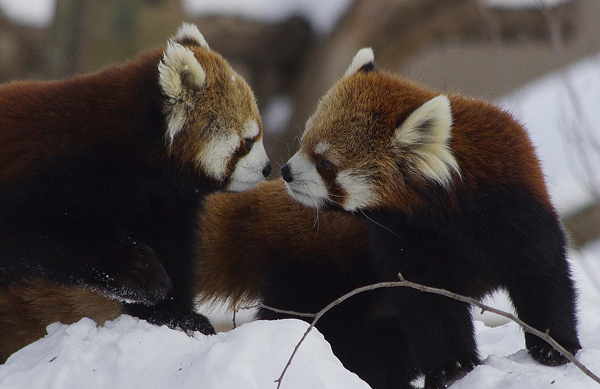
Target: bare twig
[426,289]
[282,311]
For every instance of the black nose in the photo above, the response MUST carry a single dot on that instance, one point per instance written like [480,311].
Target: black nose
[286,173]
[267,170]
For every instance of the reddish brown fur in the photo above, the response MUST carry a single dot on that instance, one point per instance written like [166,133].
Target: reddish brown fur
[224,98]
[61,101]
[244,231]
[457,200]
[28,308]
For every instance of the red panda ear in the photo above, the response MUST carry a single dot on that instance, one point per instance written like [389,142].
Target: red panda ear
[189,34]
[424,138]
[364,61]
[180,75]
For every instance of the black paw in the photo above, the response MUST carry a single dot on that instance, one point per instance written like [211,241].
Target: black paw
[143,278]
[449,372]
[547,355]
[188,321]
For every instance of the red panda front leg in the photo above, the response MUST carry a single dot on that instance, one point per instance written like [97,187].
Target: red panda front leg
[440,332]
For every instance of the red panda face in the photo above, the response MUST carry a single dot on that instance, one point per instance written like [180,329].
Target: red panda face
[372,138]
[213,121]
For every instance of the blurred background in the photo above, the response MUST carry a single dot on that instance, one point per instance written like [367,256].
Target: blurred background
[537,58]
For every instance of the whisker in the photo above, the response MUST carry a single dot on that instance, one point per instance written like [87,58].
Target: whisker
[379,224]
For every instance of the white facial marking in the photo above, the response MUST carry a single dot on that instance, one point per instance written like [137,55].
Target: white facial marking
[362,57]
[217,153]
[250,130]
[249,169]
[307,187]
[233,78]
[358,188]
[321,148]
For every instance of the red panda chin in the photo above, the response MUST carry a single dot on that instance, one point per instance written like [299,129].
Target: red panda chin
[305,199]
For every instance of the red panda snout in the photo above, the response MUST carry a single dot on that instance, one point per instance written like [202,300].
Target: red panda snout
[321,180]
[304,183]
[254,166]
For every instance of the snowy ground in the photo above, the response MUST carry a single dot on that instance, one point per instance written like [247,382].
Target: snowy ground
[129,353]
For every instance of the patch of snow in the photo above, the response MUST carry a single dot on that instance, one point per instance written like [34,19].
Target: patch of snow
[31,12]
[277,114]
[130,353]
[560,111]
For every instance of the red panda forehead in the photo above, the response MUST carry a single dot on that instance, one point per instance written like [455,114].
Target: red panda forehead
[228,94]
[359,115]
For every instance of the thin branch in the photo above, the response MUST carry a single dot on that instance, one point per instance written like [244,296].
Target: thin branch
[427,289]
[282,311]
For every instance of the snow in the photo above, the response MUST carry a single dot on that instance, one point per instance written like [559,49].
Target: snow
[507,365]
[277,114]
[322,14]
[130,353]
[560,111]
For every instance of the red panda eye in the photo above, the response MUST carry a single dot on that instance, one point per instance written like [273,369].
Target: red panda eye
[248,143]
[326,164]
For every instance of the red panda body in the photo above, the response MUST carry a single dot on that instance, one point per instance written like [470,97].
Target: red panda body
[102,175]
[456,200]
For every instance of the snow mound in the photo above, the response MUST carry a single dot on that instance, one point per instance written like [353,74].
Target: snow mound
[130,353]
[507,365]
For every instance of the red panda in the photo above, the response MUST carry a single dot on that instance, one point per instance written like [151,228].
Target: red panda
[456,199]
[102,176]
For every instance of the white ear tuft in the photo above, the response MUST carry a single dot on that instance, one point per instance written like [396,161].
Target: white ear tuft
[364,57]
[424,138]
[180,74]
[189,32]
[179,69]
